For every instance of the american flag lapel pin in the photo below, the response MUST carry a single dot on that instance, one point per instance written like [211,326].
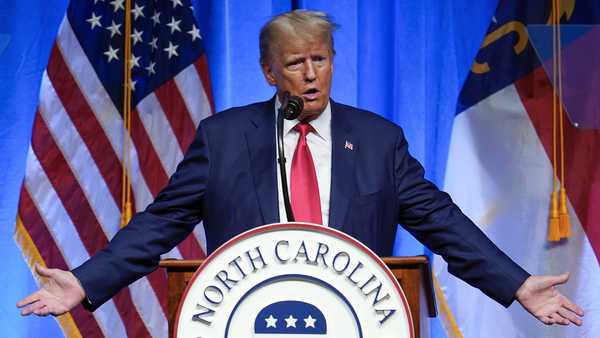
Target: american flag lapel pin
[349,145]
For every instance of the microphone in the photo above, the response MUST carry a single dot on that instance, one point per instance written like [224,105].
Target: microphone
[290,110]
[292,106]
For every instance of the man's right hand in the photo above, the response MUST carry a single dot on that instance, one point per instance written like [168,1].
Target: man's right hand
[60,293]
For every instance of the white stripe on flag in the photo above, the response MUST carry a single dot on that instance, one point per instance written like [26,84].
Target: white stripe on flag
[190,86]
[160,133]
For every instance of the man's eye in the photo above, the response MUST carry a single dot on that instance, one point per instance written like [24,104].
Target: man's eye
[294,65]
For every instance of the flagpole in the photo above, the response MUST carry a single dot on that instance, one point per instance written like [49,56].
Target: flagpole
[126,207]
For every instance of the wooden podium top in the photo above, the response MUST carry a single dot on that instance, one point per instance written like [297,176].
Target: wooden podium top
[413,274]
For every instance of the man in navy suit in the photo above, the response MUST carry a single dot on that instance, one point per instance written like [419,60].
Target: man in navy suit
[365,180]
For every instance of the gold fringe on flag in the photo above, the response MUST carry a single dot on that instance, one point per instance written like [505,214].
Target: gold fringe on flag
[126,207]
[446,316]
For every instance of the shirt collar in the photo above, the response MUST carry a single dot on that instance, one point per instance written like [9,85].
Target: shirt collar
[321,125]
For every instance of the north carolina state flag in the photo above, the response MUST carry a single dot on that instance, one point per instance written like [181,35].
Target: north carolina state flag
[500,162]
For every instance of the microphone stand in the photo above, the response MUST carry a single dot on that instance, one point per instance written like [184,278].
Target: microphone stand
[281,161]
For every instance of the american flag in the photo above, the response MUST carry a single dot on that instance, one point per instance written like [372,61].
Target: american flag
[70,203]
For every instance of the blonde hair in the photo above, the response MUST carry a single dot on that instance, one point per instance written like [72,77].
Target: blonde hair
[302,24]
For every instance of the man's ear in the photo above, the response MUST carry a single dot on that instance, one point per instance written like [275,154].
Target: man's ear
[268,73]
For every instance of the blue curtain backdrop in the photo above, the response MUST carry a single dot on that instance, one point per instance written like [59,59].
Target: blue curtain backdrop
[404,59]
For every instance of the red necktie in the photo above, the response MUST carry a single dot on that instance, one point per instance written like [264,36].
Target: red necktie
[304,187]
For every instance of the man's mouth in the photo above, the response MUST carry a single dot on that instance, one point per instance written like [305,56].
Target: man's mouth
[311,94]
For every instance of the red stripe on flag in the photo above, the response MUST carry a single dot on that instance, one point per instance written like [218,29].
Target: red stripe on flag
[582,170]
[75,202]
[177,114]
[158,280]
[85,121]
[44,242]
[202,68]
[190,248]
[149,161]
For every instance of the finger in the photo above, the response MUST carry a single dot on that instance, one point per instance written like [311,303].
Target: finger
[570,316]
[42,311]
[42,271]
[572,306]
[549,281]
[32,308]
[546,320]
[558,319]
[32,298]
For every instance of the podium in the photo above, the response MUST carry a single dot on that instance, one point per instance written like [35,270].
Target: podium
[413,274]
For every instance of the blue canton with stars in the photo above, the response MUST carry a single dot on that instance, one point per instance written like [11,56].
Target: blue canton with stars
[290,317]
[165,39]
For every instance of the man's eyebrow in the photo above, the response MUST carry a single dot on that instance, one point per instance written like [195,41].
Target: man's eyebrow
[293,59]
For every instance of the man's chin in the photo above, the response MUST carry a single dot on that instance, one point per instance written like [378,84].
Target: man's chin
[312,109]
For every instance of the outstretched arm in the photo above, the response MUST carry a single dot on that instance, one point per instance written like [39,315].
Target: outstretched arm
[60,293]
[539,296]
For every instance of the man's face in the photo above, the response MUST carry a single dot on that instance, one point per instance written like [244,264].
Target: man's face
[304,70]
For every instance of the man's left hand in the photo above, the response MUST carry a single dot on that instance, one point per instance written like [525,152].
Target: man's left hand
[539,296]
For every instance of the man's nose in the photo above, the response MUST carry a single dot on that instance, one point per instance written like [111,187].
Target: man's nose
[309,71]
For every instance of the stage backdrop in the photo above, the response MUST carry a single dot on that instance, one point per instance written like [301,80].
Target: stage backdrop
[405,60]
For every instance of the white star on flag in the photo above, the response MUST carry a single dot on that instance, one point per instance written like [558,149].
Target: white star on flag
[150,68]
[195,33]
[135,61]
[94,20]
[154,43]
[117,4]
[172,50]
[309,321]
[156,18]
[111,53]
[138,11]
[136,36]
[114,28]
[132,85]
[174,24]
[271,321]
[290,321]
[176,2]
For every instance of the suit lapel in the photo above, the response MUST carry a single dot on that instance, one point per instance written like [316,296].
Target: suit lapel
[343,155]
[260,137]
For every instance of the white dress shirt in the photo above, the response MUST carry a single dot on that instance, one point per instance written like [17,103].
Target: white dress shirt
[319,143]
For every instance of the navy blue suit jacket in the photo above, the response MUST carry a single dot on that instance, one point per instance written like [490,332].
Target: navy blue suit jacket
[228,180]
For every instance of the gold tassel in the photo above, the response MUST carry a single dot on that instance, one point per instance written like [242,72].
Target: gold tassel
[126,214]
[565,222]
[554,225]
[554,222]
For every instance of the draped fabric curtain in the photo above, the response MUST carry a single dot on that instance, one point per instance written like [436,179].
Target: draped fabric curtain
[403,59]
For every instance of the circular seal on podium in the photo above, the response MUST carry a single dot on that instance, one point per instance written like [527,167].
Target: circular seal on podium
[293,280]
